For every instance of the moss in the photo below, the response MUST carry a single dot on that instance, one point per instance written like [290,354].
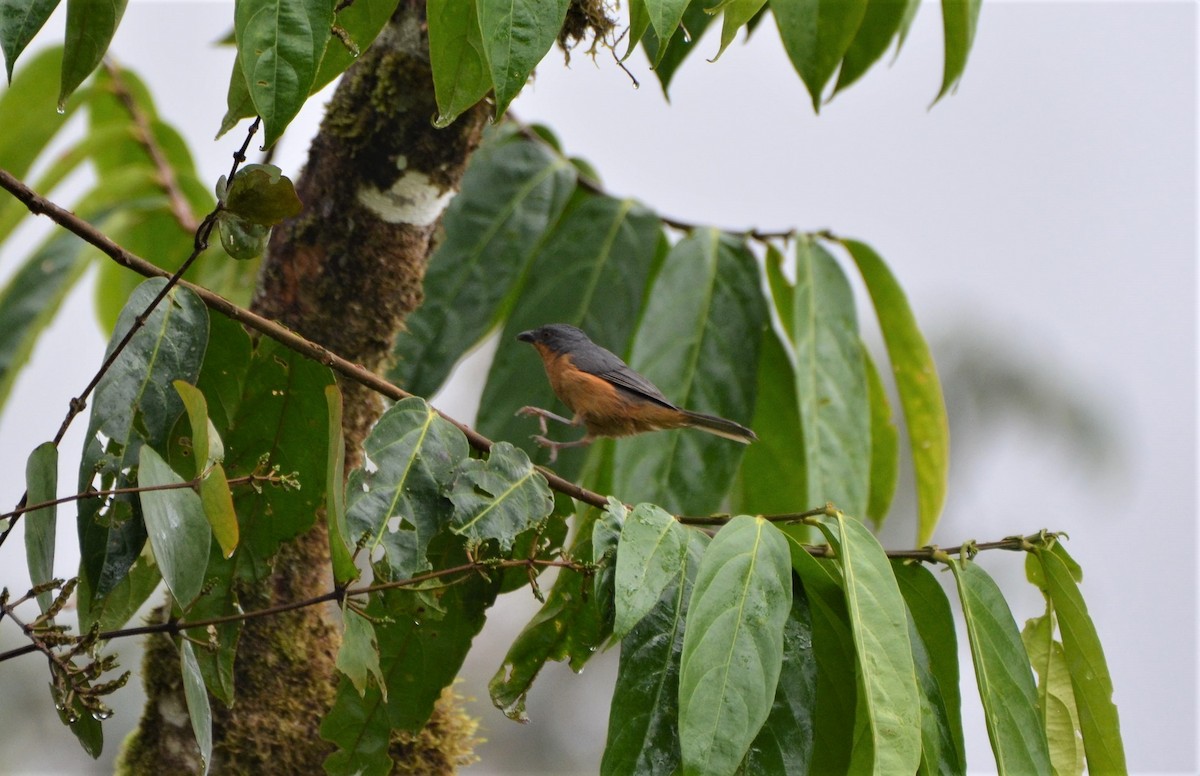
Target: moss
[445,744]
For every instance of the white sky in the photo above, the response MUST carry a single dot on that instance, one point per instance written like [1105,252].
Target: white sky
[1049,207]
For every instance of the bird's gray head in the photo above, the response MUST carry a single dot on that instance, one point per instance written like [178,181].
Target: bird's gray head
[557,337]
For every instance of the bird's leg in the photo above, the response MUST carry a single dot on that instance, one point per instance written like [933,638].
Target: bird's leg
[554,447]
[542,415]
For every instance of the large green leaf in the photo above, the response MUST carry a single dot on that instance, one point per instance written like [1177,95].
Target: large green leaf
[177,527]
[398,502]
[361,21]
[461,76]
[831,382]
[41,484]
[643,732]
[698,341]
[134,404]
[590,272]
[91,25]
[20,20]
[890,705]
[1090,678]
[665,16]
[1003,674]
[785,743]
[933,635]
[1056,698]
[669,55]
[959,19]
[885,446]
[358,657]
[340,548]
[733,644]
[512,192]
[500,498]
[916,381]
[880,25]
[280,44]
[652,548]
[816,35]
[516,35]
[197,702]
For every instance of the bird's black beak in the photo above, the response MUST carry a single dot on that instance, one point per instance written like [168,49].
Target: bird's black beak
[525,336]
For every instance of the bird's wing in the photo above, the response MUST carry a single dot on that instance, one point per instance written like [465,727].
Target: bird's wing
[607,365]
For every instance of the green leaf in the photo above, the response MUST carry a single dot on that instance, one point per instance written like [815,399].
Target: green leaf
[400,504]
[933,635]
[280,45]
[362,21]
[499,498]
[737,14]
[461,76]
[772,479]
[41,484]
[217,501]
[785,743]
[665,16]
[834,655]
[816,35]
[515,38]
[358,657]
[569,626]
[344,569]
[511,194]
[262,194]
[831,382]
[1003,674]
[698,341]
[178,529]
[606,536]
[916,381]
[1090,678]
[242,239]
[87,729]
[591,272]
[733,644]
[890,705]
[885,446]
[31,299]
[639,22]
[652,547]
[91,25]
[1056,698]
[669,55]
[197,701]
[238,102]
[134,404]
[880,25]
[197,411]
[643,733]
[959,19]
[20,20]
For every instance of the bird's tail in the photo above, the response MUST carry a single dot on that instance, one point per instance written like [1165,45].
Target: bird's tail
[720,426]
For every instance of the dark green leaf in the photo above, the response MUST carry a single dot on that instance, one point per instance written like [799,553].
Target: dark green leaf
[1003,674]
[890,705]
[959,19]
[590,272]
[916,381]
[20,20]
[885,446]
[639,22]
[344,569]
[816,35]
[652,547]
[280,45]
[401,503]
[362,21]
[242,239]
[85,727]
[262,194]
[461,76]
[178,529]
[499,498]
[643,733]
[515,38]
[1090,679]
[358,657]
[41,484]
[698,341]
[606,536]
[667,57]
[879,26]
[665,16]
[1056,698]
[90,28]
[785,743]
[733,644]
[831,382]
[772,479]
[197,702]
[511,194]
[134,404]
[933,626]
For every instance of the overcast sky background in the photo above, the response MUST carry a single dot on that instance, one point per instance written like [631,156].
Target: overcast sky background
[1043,221]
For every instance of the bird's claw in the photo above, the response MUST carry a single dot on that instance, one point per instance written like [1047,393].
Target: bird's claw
[549,444]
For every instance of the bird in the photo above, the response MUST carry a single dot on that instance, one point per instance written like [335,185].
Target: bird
[607,397]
